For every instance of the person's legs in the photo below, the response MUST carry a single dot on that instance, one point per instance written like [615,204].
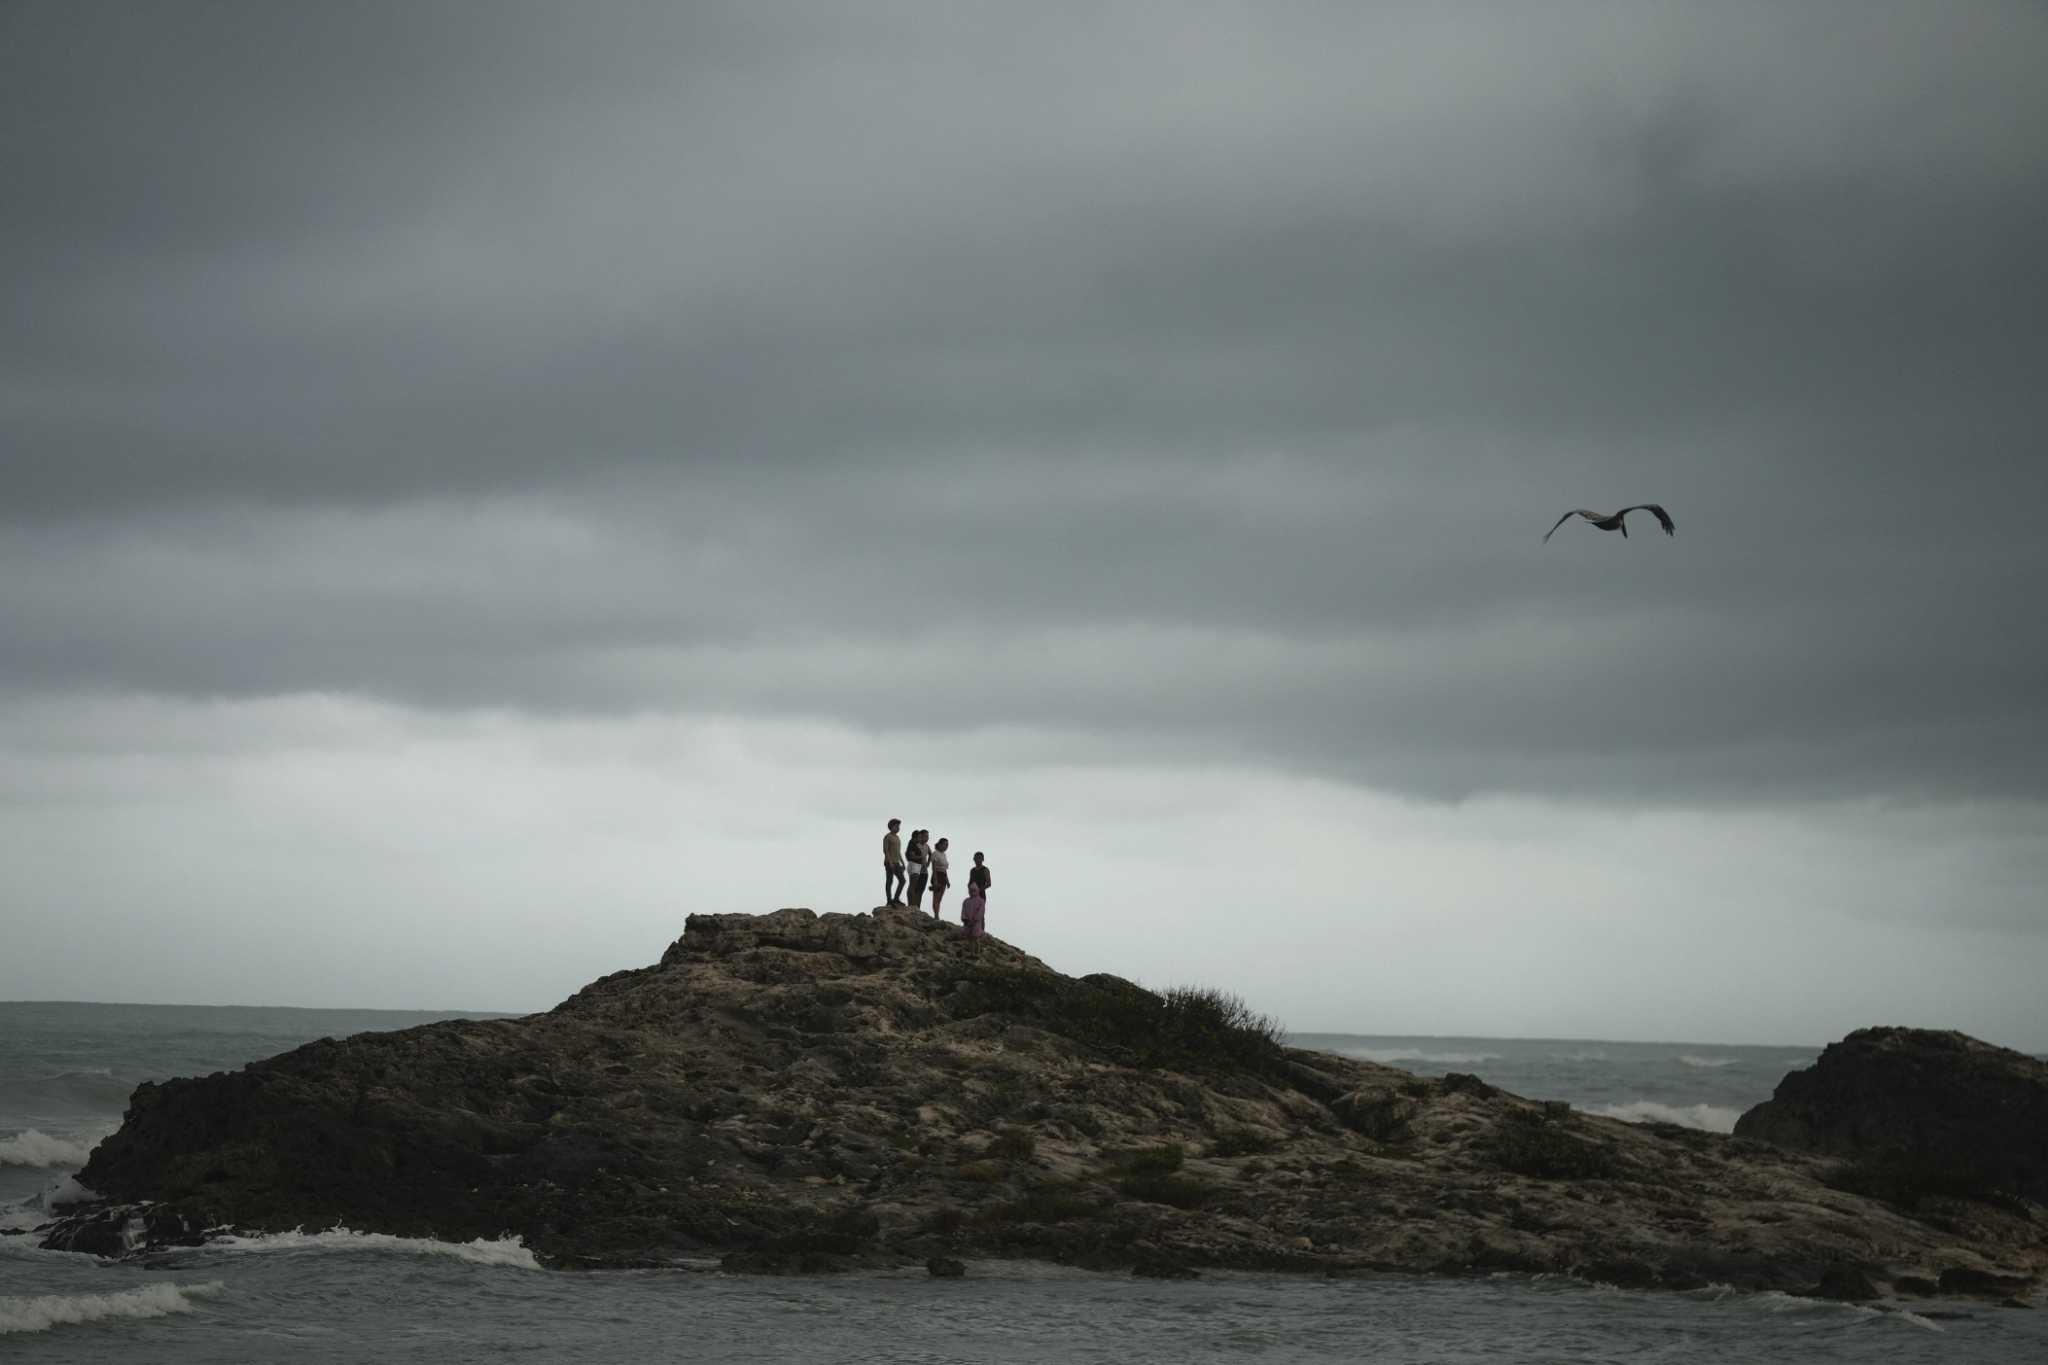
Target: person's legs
[892,886]
[917,890]
[938,895]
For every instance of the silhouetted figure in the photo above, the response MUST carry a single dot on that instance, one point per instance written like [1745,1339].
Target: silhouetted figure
[892,864]
[978,878]
[940,879]
[919,858]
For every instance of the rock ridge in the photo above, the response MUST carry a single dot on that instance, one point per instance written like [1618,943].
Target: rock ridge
[801,1092]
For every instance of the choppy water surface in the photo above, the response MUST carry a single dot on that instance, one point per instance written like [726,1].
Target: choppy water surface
[324,1302]
[66,1071]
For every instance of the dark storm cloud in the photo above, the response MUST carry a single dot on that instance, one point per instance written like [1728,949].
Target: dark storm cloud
[1143,378]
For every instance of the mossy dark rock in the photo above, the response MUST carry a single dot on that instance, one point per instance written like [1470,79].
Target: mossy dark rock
[1535,1142]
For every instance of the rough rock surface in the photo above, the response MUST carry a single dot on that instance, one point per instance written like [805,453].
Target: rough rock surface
[797,1092]
[1920,1114]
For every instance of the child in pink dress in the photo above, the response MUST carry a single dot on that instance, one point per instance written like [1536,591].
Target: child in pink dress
[973,918]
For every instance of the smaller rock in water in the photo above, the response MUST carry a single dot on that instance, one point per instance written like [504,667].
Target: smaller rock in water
[97,1233]
[1162,1267]
[1845,1283]
[945,1268]
[1623,1272]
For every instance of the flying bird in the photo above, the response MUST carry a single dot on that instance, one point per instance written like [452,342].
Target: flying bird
[1614,522]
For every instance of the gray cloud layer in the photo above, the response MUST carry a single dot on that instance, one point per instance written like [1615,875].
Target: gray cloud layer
[1199,385]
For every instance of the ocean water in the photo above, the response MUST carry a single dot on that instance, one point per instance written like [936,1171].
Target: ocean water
[337,1295]
[1698,1085]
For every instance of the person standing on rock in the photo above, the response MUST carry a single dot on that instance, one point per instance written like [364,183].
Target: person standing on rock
[978,879]
[940,881]
[919,858]
[892,864]
[974,916]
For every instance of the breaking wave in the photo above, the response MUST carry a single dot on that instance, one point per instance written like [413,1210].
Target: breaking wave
[1777,1301]
[44,1311]
[40,1207]
[505,1251]
[1711,1118]
[1708,1063]
[33,1147]
[21,1218]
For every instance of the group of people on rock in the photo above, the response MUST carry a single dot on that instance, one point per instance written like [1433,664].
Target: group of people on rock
[911,868]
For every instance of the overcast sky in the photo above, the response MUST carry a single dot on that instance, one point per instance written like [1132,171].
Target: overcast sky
[484,481]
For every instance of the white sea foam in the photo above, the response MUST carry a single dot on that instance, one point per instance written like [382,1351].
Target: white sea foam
[44,1311]
[1392,1055]
[67,1191]
[506,1251]
[1712,1118]
[21,1218]
[1707,1063]
[34,1147]
[1776,1301]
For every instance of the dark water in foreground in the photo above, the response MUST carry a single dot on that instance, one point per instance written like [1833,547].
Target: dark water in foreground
[321,1304]
[332,1295]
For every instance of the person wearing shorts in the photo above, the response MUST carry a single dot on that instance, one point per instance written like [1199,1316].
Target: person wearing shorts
[892,864]
[940,881]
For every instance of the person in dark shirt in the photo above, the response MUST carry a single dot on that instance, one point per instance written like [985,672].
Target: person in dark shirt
[919,856]
[979,879]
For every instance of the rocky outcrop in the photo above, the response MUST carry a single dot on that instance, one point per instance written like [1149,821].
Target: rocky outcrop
[803,1092]
[1917,1114]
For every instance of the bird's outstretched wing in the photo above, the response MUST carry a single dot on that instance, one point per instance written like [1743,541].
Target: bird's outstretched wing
[1663,517]
[1575,512]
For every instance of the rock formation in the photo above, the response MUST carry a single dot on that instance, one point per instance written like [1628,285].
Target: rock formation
[797,1092]
[1919,1114]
